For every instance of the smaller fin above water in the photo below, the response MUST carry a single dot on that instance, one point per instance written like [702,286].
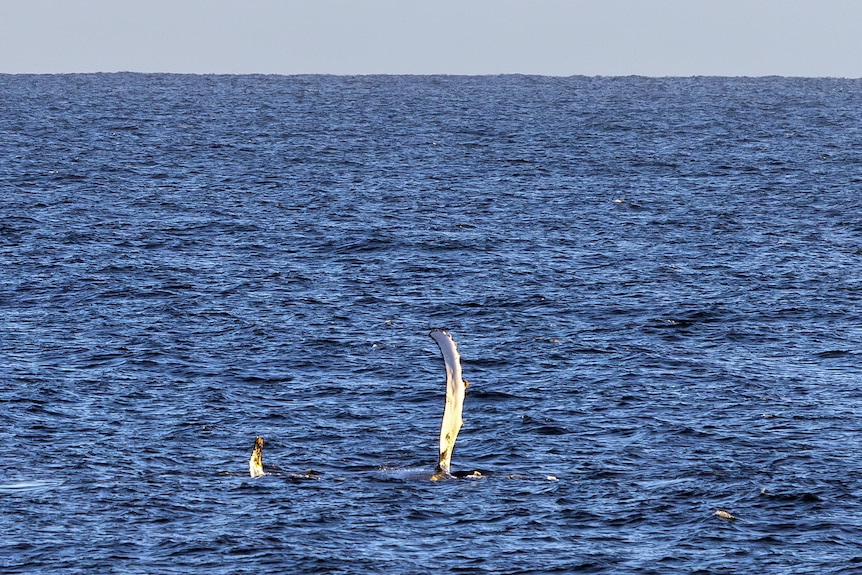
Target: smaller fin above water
[255,462]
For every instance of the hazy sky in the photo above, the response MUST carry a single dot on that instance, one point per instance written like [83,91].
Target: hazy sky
[550,37]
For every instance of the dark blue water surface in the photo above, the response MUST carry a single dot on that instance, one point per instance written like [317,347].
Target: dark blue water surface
[655,285]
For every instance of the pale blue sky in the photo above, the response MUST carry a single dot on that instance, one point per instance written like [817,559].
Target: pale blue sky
[549,37]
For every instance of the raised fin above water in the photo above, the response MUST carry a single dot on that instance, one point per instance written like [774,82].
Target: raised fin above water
[455,389]
[449,428]
[255,462]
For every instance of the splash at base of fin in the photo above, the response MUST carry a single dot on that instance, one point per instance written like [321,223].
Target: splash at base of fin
[442,475]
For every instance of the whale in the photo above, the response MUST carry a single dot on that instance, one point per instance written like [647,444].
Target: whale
[451,424]
[456,388]
[255,465]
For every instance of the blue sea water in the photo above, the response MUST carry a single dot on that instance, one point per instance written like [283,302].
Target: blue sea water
[655,286]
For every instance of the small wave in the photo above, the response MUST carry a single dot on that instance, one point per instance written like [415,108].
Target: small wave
[28,486]
[833,353]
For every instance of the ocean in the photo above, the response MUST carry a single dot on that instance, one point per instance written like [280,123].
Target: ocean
[655,285]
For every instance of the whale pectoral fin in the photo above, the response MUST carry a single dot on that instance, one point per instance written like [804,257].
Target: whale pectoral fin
[443,461]
[442,469]
[455,387]
[255,462]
